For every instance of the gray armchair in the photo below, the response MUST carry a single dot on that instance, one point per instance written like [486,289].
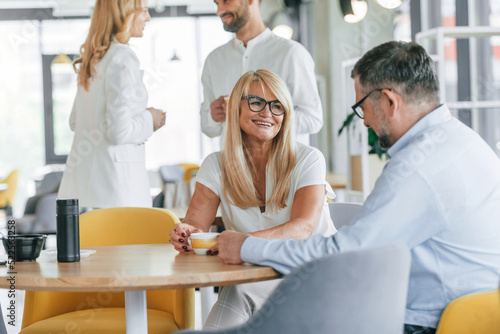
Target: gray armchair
[343,213]
[348,293]
[40,211]
[168,174]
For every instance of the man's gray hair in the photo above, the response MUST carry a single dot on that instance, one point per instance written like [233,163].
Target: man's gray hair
[404,67]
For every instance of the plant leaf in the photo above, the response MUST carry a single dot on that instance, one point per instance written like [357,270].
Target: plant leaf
[347,122]
[374,143]
[372,136]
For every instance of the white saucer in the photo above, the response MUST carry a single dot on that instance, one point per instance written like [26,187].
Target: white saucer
[83,252]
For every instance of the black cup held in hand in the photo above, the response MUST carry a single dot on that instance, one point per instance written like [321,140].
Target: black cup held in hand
[68,230]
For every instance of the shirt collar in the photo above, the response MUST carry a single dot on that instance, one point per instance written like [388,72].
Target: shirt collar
[115,41]
[438,116]
[254,40]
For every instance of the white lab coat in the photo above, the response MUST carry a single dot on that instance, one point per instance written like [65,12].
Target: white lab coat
[106,165]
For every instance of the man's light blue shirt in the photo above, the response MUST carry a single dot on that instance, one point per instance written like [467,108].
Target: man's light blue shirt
[440,195]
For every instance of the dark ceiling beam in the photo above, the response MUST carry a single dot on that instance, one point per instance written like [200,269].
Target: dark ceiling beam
[12,14]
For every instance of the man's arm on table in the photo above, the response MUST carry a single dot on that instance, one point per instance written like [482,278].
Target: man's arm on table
[282,255]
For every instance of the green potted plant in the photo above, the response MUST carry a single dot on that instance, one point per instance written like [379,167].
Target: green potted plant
[372,136]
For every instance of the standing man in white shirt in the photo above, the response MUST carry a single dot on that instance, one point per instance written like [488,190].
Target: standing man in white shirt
[256,47]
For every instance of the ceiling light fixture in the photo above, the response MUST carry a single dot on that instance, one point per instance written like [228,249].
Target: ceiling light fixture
[175,57]
[353,10]
[390,4]
[283,30]
[284,23]
[62,59]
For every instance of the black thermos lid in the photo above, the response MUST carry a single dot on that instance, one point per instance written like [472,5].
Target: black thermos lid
[67,206]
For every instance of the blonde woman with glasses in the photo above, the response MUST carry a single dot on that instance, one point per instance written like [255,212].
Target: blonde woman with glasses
[106,165]
[265,183]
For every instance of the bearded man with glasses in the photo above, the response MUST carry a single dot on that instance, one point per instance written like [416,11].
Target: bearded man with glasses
[439,193]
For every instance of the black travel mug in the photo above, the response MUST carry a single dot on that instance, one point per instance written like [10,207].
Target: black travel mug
[68,230]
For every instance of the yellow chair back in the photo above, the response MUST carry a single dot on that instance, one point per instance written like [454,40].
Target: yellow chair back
[477,313]
[108,227]
[7,196]
[189,171]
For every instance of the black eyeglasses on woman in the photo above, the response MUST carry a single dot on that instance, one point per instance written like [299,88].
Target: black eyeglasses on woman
[257,104]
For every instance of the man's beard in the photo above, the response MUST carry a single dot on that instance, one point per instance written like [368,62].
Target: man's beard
[384,133]
[384,137]
[240,19]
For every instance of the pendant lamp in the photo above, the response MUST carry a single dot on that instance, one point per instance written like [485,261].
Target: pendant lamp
[353,10]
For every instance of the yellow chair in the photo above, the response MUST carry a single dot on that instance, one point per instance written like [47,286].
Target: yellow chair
[477,313]
[7,196]
[104,312]
[189,171]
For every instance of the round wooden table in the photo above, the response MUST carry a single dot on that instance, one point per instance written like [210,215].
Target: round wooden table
[133,269]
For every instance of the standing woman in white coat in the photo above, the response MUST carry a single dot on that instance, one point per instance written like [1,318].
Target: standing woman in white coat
[106,165]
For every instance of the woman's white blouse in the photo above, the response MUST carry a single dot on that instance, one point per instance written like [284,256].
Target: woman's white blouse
[309,170]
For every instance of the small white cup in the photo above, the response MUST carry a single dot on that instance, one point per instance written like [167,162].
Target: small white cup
[201,242]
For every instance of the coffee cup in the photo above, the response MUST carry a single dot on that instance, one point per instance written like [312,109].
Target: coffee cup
[201,242]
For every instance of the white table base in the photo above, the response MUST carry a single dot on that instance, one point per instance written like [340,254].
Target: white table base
[136,308]
[136,312]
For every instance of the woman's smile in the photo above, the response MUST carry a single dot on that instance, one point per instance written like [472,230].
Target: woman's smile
[263,123]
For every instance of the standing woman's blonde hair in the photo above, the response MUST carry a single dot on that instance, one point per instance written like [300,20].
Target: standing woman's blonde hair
[110,19]
[237,165]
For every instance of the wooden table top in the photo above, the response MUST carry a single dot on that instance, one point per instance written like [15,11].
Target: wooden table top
[131,267]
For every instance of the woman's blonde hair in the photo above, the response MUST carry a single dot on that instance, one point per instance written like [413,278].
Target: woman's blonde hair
[237,163]
[110,19]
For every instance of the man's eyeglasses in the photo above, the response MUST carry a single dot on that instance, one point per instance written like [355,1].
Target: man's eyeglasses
[357,107]
[257,104]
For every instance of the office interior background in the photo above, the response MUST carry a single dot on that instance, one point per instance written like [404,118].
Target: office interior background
[39,38]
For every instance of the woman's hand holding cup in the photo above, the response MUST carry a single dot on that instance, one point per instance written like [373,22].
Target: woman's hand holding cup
[179,237]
